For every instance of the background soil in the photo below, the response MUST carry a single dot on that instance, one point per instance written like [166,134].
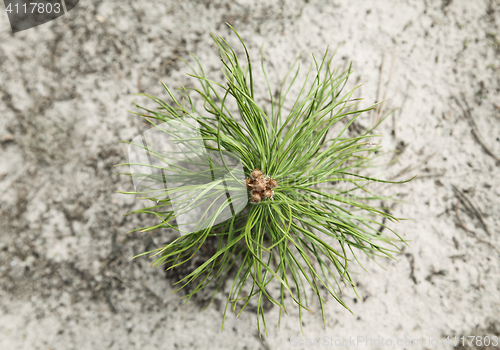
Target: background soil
[67,280]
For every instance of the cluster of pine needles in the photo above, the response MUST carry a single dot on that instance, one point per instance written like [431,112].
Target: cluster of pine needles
[302,238]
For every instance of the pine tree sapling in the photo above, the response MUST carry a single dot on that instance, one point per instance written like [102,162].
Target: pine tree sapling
[285,203]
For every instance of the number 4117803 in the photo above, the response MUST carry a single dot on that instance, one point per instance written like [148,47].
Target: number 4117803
[36,7]
[472,339]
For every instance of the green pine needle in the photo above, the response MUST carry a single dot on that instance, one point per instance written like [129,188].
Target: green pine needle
[305,237]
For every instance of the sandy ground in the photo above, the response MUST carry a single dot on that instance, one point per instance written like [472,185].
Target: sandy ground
[67,280]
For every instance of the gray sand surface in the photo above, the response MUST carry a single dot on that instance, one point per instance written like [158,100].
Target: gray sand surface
[67,280]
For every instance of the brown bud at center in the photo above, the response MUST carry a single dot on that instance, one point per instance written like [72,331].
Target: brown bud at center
[260,186]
